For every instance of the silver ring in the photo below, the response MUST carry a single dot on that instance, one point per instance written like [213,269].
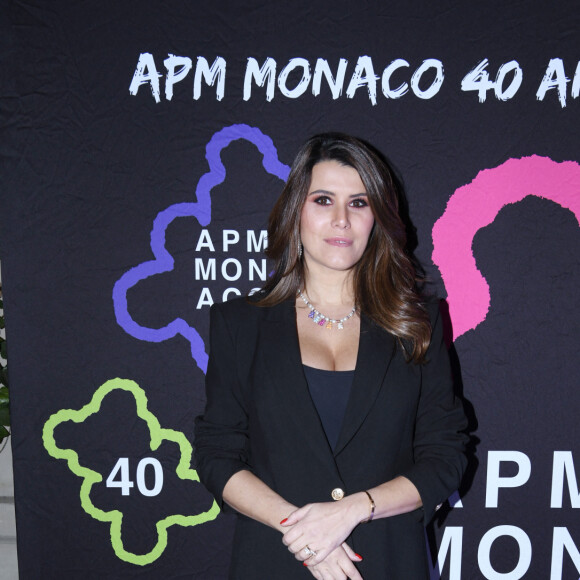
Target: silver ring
[309,552]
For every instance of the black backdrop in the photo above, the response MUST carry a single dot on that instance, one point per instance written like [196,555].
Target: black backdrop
[135,187]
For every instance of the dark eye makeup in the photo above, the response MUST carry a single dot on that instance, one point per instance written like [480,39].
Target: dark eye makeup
[357,203]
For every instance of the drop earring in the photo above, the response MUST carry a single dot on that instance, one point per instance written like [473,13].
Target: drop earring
[299,249]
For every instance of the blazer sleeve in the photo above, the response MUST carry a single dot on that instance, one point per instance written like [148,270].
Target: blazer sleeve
[440,440]
[221,433]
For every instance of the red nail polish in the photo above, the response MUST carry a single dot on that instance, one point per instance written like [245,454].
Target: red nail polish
[358,556]
[284,521]
[305,564]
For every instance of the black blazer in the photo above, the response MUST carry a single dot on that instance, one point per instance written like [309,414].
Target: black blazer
[401,419]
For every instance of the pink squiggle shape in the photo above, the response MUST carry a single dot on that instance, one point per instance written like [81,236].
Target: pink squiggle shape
[474,206]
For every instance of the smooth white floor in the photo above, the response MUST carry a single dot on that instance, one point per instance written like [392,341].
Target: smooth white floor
[8,563]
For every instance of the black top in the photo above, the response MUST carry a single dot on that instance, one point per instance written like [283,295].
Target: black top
[401,419]
[329,391]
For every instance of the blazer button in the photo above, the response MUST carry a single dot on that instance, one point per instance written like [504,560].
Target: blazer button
[337,494]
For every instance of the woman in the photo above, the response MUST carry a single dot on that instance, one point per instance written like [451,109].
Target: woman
[331,427]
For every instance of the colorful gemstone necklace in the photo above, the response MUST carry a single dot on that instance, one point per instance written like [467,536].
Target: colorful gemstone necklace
[322,320]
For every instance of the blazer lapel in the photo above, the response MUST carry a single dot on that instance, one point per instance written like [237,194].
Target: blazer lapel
[375,352]
[281,355]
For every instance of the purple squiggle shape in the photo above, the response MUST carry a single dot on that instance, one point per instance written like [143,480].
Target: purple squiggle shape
[201,210]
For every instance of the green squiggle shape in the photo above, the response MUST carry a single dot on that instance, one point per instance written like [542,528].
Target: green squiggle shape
[90,477]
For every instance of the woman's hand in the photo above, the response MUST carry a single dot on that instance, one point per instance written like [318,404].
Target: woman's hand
[322,527]
[338,565]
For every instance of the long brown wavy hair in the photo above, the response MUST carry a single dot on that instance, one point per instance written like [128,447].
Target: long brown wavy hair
[385,279]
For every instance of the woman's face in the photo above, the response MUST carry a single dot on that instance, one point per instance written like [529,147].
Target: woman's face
[336,219]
